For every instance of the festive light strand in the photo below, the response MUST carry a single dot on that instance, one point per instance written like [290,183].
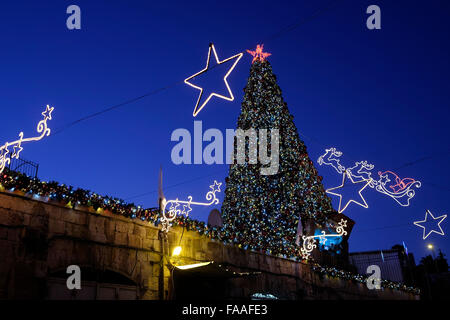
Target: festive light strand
[309,242]
[198,108]
[388,183]
[42,128]
[426,234]
[174,211]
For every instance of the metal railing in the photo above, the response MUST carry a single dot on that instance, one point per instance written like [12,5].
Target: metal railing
[26,167]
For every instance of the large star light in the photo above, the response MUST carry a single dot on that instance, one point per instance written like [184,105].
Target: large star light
[438,225]
[362,201]
[201,102]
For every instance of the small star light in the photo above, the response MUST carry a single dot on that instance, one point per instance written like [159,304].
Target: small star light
[48,113]
[362,204]
[18,148]
[186,209]
[199,106]
[42,128]
[425,234]
[258,54]
[216,186]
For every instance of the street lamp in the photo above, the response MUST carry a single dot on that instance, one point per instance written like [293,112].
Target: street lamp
[431,247]
[176,251]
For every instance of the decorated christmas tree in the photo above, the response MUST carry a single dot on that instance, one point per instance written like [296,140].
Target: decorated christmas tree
[262,212]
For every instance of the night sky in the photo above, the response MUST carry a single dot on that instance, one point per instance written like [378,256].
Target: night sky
[377,95]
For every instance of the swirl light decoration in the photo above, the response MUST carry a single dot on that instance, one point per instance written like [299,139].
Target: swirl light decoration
[388,183]
[309,242]
[42,128]
[174,210]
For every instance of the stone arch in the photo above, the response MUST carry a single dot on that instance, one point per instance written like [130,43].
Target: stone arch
[95,284]
[63,252]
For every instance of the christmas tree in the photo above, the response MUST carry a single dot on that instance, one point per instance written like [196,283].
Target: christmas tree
[262,212]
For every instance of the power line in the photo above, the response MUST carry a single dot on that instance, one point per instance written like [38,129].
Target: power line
[95,114]
[382,228]
[291,27]
[153,92]
[175,185]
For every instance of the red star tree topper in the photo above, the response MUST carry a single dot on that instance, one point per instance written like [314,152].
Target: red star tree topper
[258,54]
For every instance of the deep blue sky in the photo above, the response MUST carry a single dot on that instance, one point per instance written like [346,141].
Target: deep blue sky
[381,96]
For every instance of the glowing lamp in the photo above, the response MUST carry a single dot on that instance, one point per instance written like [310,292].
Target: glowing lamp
[176,251]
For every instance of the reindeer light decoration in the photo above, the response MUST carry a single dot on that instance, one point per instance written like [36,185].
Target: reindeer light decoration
[388,182]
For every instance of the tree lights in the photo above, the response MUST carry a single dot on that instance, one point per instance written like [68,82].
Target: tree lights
[263,212]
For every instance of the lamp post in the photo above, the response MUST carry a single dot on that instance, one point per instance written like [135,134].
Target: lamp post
[431,247]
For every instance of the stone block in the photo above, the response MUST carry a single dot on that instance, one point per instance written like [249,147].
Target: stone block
[121,226]
[56,226]
[139,231]
[134,241]
[153,256]
[3,233]
[110,229]
[152,233]
[121,239]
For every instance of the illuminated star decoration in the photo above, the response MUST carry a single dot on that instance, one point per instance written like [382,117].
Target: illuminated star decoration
[258,54]
[426,234]
[17,144]
[201,104]
[343,207]
[47,113]
[216,186]
[173,212]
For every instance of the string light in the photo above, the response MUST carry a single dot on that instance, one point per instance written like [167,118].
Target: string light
[17,144]
[198,108]
[173,212]
[426,234]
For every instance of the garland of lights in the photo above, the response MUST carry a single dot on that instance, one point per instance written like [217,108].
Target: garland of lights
[309,242]
[173,212]
[388,183]
[336,273]
[11,181]
[42,128]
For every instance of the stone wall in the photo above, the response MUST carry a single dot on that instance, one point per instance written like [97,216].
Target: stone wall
[38,239]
